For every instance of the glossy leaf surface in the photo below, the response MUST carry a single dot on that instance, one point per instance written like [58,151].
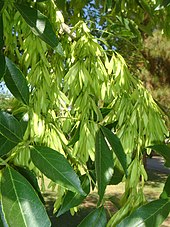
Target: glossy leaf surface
[151,214]
[40,26]
[103,164]
[96,218]
[20,203]
[116,146]
[16,82]
[56,167]
[10,127]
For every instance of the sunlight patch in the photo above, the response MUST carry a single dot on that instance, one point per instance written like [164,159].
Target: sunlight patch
[109,173]
[40,24]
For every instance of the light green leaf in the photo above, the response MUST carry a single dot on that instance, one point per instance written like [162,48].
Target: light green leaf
[20,204]
[5,145]
[151,214]
[163,150]
[16,82]
[56,167]
[96,218]
[72,199]
[10,127]
[104,164]
[116,146]
[40,26]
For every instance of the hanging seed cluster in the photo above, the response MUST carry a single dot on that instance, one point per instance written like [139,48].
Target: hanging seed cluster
[72,95]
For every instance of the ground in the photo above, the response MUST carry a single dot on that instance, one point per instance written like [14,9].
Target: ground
[157,175]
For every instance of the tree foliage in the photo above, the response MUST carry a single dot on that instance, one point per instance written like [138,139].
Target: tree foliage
[80,114]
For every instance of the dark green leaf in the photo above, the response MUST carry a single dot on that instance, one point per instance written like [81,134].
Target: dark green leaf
[16,82]
[10,127]
[5,145]
[1,34]
[42,0]
[2,62]
[2,58]
[40,26]
[118,7]
[165,3]
[105,111]
[166,191]
[2,219]
[93,177]
[1,5]
[117,176]
[72,199]
[116,146]
[111,125]
[96,218]
[146,7]
[1,223]
[116,201]
[75,137]
[163,150]
[103,164]
[60,4]
[56,167]
[31,178]
[151,214]
[20,203]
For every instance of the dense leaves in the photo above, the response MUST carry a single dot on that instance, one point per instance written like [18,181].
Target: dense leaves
[20,201]
[68,102]
[56,167]
[40,26]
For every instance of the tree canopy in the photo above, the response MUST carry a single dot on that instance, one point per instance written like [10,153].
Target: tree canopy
[80,115]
